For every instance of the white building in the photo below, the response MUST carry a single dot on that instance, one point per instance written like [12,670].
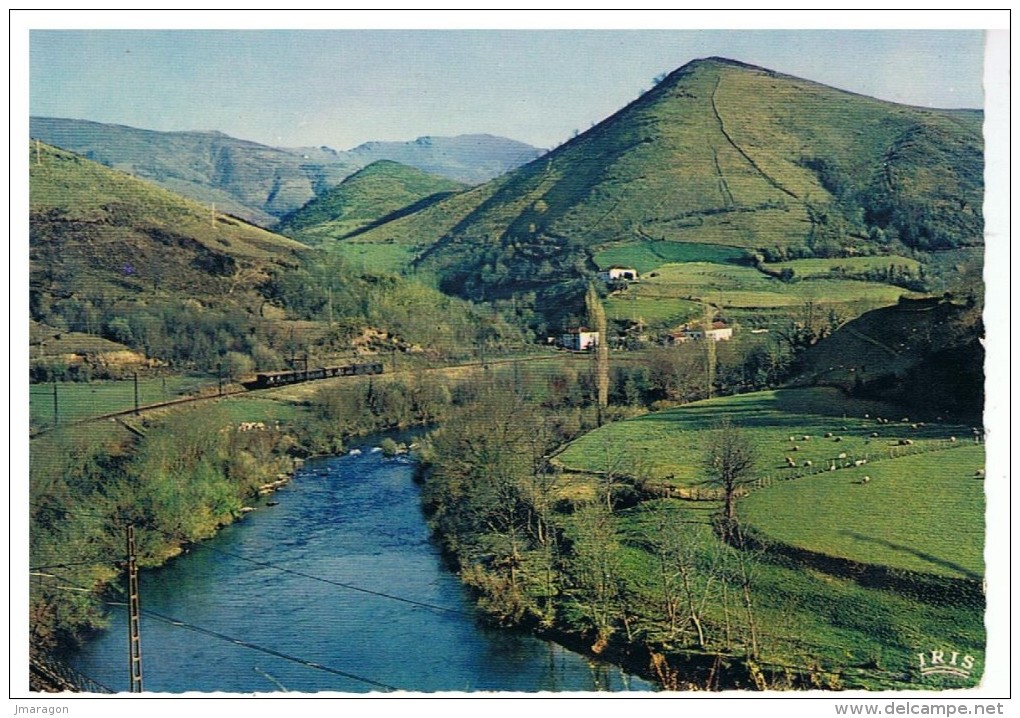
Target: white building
[579,340]
[616,273]
[717,332]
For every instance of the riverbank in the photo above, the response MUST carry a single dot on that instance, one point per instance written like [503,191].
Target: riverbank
[341,574]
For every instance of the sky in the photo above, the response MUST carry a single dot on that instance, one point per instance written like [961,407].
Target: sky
[290,87]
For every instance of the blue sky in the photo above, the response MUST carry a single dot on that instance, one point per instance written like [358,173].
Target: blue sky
[341,88]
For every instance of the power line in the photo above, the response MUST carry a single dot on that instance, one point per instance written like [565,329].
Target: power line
[339,584]
[265,564]
[238,641]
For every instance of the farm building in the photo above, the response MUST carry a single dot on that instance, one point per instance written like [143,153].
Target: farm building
[617,273]
[717,332]
[579,340]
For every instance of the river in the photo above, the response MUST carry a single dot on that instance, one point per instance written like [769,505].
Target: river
[340,573]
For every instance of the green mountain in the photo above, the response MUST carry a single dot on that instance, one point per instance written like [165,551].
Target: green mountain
[249,180]
[718,154]
[381,191]
[259,183]
[95,227]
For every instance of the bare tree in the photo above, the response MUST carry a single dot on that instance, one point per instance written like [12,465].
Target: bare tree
[730,460]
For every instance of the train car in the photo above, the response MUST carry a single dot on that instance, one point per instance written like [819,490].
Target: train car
[268,380]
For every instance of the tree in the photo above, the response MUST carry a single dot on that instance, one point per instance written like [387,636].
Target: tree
[730,460]
[597,319]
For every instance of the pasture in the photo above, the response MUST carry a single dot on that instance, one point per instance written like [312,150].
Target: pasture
[734,286]
[78,401]
[921,513]
[867,637]
[820,267]
[669,445]
[645,256]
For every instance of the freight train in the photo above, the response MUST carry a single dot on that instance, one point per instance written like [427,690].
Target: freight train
[280,378]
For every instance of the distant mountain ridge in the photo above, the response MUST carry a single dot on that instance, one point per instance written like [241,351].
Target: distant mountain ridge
[259,183]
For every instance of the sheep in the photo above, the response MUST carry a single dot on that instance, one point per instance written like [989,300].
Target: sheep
[952,439]
[790,462]
[828,434]
[905,420]
[860,462]
[792,439]
[874,435]
[837,438]
[867,416]
[794,448]
[906,442]
[806,437]
[842,455]
[914,426]
[808,464]
[866,479]
[979,474]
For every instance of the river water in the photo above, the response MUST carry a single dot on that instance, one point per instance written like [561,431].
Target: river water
[340,574]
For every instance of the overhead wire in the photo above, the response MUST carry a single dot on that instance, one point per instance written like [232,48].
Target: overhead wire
[170,620]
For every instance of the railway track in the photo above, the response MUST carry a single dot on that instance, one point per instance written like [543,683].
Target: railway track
[252,389]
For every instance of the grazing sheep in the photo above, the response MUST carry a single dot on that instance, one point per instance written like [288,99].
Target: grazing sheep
[805,438]
[905,420]
[792,439]
[828,434]
[794,448]
[790,462]
[842,456]
[980,474]
[866,479]
[906,442]
[952,439]
[914,426]
[808,464]
[860,462]
[874,435]
[867,416]
[838,438]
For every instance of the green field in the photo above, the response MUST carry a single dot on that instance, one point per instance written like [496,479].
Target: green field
[648,255]
[869,638]
[675,292]
[373,256]
[81,401]
[919,513]
[669,445]
[822,267]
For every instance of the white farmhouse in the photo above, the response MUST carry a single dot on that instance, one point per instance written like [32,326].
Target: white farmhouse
[579,340]
[717,332]
[617,273]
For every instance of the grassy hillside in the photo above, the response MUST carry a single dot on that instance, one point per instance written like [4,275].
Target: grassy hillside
[885,521]
[92,227]
[384,190]
[923,353]
[718,154]
[669,445]
[260,183]
[248,179]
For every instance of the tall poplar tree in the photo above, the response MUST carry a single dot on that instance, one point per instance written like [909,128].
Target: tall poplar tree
[597,321]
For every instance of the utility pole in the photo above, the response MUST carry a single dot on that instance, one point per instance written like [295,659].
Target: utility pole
[134,617]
